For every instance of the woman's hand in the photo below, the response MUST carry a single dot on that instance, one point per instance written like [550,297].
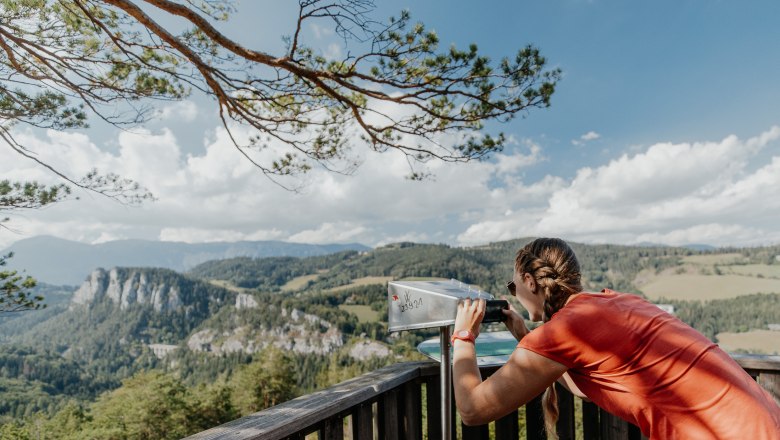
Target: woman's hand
[470,314]
[514,322]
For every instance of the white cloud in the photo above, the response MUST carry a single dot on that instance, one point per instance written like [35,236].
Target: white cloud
[183,111]
[106,236]
[196,235]
[585,138]
[705,192]
[703,234]
[333,52]
[589,136]
[340,232]
[413,237]
[512,163]
[321,32]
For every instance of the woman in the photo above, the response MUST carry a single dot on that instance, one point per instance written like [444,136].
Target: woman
[615,349]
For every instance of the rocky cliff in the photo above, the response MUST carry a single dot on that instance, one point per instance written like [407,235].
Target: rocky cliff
[217,320]
[126,287]
[301,333]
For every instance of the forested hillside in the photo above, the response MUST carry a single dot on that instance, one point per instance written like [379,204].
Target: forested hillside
[487,266]
[739,314]
[234,336]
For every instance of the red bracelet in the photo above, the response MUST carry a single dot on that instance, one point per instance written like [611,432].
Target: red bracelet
[463,335]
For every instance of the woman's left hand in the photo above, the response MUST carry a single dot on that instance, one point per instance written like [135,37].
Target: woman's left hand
[470,314]
[514,322]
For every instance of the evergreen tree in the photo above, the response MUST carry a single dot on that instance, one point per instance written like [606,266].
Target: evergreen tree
[109,57]
[149,405]
[15,293]
[268,381]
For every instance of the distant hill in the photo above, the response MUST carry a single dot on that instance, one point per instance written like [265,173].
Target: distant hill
[63,262]
[207,322]
[692,246]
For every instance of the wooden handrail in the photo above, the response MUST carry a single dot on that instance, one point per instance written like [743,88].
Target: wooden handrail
[288,418]
[765,369]
[396,389]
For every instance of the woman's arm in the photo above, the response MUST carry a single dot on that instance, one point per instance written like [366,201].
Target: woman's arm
[524,376]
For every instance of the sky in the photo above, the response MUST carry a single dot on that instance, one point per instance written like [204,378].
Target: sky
[665,128]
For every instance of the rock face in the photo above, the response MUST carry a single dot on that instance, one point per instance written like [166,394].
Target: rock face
[168,291]
[245,301]
[304,333]
[125,288]
[94,287]
[367,349]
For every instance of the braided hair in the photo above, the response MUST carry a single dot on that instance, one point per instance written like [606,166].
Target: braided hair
[555,269]
[556,272]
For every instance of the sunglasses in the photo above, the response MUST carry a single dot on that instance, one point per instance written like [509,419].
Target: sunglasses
[510,286]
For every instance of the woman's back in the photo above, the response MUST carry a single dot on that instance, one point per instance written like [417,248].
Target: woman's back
[646,366]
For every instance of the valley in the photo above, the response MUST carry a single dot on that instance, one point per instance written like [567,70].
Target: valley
[324,318]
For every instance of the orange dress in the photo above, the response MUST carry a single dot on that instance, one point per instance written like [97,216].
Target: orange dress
[649,368]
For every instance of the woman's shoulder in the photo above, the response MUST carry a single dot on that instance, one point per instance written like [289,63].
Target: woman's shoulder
[605,294]
[585,296]
[597,303]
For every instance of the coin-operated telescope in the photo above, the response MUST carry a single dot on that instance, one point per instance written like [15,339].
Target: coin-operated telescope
[434,304]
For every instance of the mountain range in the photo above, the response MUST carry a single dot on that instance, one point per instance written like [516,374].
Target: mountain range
[64,262]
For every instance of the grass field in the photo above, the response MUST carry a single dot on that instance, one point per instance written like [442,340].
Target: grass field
[365,281]
[229,286]
[363,313]
[753,270]
[719,259]
[689,287]
[298,283]
[754,341]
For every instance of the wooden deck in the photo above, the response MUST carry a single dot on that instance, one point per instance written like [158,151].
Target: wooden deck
[402,402]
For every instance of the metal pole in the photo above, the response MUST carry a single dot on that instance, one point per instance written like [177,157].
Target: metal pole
[446,383]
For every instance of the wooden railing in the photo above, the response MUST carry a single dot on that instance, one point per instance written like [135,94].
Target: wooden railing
[402,401]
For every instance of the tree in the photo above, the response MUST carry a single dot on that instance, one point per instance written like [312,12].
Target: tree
[149,405]
[268,381]
[63,60]
[15,431]
[14,290]
[17,196]
[29,195]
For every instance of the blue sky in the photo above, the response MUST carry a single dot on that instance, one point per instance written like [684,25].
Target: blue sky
[663,129]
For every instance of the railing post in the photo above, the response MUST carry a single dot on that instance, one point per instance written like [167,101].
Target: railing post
[446,383]
[433,397]
[565,425]
[612,427]
[333,429]
[388,416]
[770,381]
[534,419]
[507,427]
[412,410]
[481,432]
[590,421]
[363,422]
[634,433]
